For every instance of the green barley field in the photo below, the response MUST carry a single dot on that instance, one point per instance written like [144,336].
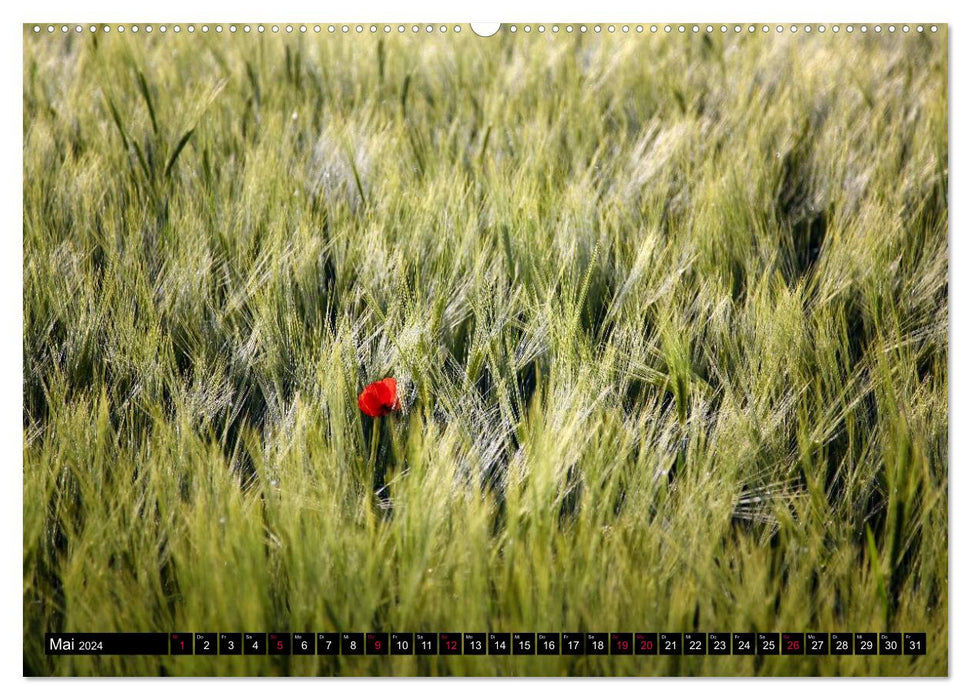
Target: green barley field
[668,315]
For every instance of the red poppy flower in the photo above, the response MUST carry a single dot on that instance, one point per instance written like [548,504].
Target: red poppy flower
[380,398]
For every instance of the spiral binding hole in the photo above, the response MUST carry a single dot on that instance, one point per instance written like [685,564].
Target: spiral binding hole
[599,29]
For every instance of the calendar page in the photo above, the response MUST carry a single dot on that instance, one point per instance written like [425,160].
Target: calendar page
[524,349]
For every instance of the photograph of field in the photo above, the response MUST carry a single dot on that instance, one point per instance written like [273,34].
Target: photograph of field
[666,315]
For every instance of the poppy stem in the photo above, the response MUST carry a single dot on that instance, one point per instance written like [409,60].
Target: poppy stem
[375,438]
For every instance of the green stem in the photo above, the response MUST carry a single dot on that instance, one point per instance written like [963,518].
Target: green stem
[375,439]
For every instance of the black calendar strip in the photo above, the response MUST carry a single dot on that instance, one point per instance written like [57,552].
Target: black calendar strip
[489,643]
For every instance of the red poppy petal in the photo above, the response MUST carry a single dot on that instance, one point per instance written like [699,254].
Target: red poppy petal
[389,393]
[396,399]
[363,404]
[369,403]
[379,398]
[379,391]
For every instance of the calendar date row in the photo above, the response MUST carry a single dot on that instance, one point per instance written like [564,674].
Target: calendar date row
[491,643]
